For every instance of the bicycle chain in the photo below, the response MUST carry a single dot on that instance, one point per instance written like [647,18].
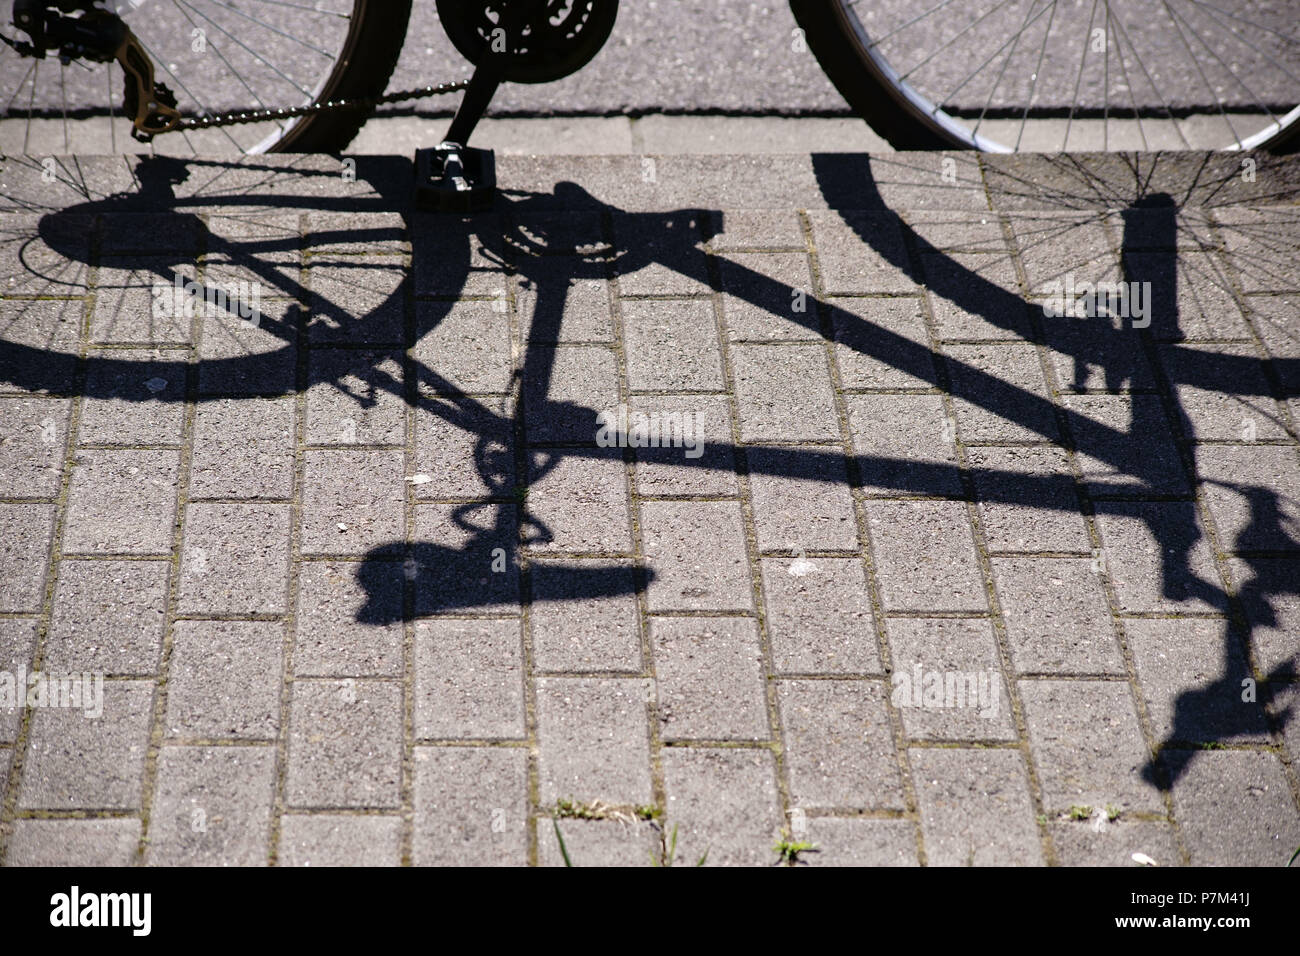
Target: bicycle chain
[238,117]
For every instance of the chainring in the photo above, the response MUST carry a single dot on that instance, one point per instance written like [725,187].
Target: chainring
[560,40]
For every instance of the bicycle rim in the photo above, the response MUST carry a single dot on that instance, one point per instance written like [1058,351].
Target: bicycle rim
[1052,76]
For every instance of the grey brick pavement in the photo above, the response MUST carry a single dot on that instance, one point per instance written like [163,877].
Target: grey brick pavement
[950,582]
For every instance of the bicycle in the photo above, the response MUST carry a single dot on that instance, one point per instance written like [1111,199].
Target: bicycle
[304,75]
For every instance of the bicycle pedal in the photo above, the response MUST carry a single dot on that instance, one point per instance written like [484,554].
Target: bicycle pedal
[454,178]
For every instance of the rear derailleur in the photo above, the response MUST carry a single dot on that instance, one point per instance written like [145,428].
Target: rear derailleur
[82,30]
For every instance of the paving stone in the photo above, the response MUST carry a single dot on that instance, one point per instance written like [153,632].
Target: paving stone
[25,535]
[341,628]
[783,393]
[127,310]
[109,616]
[801,499]
[33,442]
[356,398]
[1273,321]
[17,645]
[46,255]
[360,490]
[1271,603]
[338,840]
[710,681]
[1008,481]
[122,502]
[457,569]
[696,556]
[345,744]
[592,738]
[1191,674]
[1236,810]
[1253,493]
[881,343]
[1241,412]
[46,333]
[356,299]
[768,296]
[1191,296]
[838,745]
[73,842]
[77,761]
[465,449]
[819,616]
[470,806]
[725,803]
[243,448]
[133,398]
[661,254]
[1016,409]
[468,680]
[756,229]
[564,405]
[1055,247]
[1088,746]
[225,680]
[947,681]
[212,806]
[235,559]
[925,557]
[670,471]
[861,842]
[1124,445]
[1082,844]
[582,316]
[1095,354]
[583,502]
[975,808]
[239,358]
[905,444]
[1157,557]
[976,296]
[584,616]
[458,263]
[599,843]
[1057,617]
[1257,247]
[134,233]
[672,345]
[849,264]
[355,233]
[464,346]
[956,230]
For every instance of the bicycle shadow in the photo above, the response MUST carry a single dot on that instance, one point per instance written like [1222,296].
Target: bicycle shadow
[481,570]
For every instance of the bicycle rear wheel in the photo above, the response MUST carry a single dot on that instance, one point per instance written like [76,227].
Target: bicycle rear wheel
[1043,75]
[215,56]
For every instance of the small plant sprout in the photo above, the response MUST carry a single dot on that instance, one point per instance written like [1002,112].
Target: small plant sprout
[787,849]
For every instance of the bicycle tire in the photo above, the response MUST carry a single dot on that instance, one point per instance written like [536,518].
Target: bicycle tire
[370,53]
[897,113]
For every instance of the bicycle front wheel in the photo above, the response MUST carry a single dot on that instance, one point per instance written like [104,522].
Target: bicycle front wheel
[1053,76]
[216,56]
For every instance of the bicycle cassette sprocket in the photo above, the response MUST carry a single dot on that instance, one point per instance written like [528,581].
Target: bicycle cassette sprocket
[560,39]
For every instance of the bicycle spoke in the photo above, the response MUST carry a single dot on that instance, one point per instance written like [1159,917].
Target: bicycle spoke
[1033,85]
[267,26]
[1074,101]
[1209,88]
[962,32]
[1119,55]
[1024,25]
